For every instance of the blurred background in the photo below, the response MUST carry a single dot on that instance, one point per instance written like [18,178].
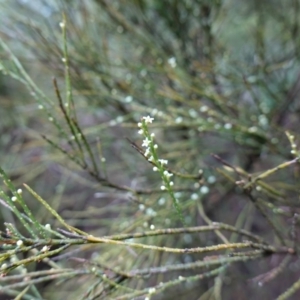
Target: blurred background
[218,76]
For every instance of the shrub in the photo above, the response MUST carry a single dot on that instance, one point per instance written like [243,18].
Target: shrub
[162,159]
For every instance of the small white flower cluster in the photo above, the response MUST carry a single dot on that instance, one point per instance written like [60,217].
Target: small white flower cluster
[151,153]
[15,198]
[159,165]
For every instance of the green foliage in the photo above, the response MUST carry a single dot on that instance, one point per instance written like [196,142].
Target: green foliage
[161,160]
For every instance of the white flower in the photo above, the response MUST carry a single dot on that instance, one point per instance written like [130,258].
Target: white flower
[163,161]
[146,142]
[204,190]
[228,126]
[143,73]
[211,179]
[147,152]
[193,113]
[19,191]
[162,187]
[167,174]
[14,198]
[48,226]
[263,120]
[171,183]
[141,131]
[152,290]
[161,201]
[154,112]
[19,243]
[178,120]
[203,108]
[155,146]
[155,169]
[151,212]
[148,119]
[152,227]
[128,99]
[119,119]
[253,129]
[194,196]
[45,249]
[172,62]
[151,158]
[139,124]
